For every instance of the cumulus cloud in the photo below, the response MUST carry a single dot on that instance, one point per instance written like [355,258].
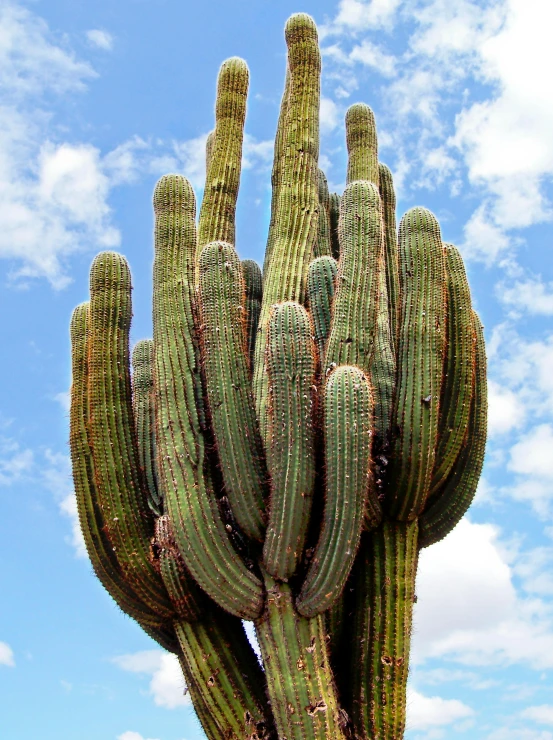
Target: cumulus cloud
[131,735]
[6,655]
[428,712]
[468,609]
[506,411]
[542,714]
[167,686]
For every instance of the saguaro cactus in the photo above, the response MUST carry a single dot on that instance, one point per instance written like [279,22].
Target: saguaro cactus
[287,442]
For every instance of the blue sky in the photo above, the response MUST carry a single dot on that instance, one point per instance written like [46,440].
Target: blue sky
[98,100]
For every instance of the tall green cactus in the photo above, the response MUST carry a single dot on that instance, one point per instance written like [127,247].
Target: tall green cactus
[283,434]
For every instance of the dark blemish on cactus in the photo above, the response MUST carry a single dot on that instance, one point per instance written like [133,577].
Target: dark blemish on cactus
[415,598]
[248,718]
[427,400]
[387,660]
[311,647]
[300,664]
[312,709]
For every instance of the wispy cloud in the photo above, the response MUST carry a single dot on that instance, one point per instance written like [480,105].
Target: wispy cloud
[6,655]
[100,39]
[167,686]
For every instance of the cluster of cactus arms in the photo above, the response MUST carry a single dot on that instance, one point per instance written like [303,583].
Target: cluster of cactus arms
[288,441]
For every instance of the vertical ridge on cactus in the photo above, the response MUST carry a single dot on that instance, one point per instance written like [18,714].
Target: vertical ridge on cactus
[288,441]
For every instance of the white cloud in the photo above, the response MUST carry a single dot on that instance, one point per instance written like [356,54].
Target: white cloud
[505,410]
[99,38]
[542,714]
[30,61]
[6,655]
[533,454]
[359,15]
[329,115]
[373,56]
[130,735]
[468,609]
[14,461]
[530,295]
[167,685]
[426,712]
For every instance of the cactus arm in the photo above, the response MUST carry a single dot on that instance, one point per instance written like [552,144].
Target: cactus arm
[182,463]
[144,417]
[100,550]
[348,406]
[254,292]
[353,327]
[362,144]
[217,214]
[277,172]
[323,245]
[299,678]
[291,452]
[120,485]
[451,503]
[420,358]
[384,594]
[227,374]
[321,279]
[455,403]
[388,197]
[295,227]
[334,215]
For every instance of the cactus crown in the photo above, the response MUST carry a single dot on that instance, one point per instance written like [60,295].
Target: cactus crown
[283,434]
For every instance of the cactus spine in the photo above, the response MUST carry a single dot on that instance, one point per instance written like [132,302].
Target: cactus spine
[288,441]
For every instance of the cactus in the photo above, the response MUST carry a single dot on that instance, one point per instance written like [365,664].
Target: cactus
[287,442]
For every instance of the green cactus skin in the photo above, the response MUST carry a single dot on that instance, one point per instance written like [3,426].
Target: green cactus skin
[291,450]
[187,599]
[253,280]
[227,675]
[334,215]
[119,482]
[277,172]
[182,462]
[297,202]
[321,280]
[299,678]
[382,633]
[420,359]
[323,245]
[362,144]
[225,363]
[217,214]
[220,667]
[383,369]
[209,149]
[144,417]
[457,386]
[450,504]
[348,406]
[388,197]
[353,328]
[99,548]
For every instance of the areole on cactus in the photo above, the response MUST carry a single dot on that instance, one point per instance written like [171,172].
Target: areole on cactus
[287,442]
